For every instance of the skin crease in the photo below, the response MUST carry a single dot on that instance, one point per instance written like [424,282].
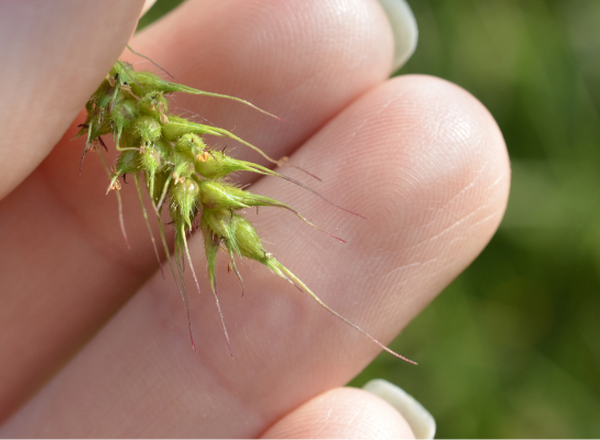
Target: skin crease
[421,158]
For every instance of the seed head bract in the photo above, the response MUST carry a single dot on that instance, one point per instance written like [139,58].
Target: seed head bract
[186,179]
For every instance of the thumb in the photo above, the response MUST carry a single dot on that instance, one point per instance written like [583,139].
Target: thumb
[53,56]
[343,413]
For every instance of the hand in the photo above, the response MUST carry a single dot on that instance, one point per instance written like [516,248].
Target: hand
[93,341]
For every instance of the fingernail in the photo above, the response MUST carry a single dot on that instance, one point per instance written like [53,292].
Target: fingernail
[147,5]
[404,27]
[420,420]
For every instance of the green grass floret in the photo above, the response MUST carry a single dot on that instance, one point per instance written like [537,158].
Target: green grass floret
[180,170]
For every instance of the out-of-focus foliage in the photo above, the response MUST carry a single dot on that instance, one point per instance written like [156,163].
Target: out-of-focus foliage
[512,347]
[160,8]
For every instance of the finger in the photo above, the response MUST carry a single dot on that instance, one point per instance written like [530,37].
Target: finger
[70,269]
[302,61]
[58,54]
[421,158]
[342,413]
[55,55]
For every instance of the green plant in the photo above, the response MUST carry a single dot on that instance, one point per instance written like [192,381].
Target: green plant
[181,172]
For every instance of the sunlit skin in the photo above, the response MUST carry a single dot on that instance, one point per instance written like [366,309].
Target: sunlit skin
[93,339]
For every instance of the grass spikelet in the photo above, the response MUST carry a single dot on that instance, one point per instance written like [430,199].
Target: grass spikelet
[182,172]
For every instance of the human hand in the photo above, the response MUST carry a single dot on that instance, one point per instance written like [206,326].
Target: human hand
[421,158]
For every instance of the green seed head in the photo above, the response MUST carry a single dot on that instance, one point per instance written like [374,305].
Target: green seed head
[217,195]
[129,162]
[178,127]
[237,233]
[124,112]
[216,165]
[122,116]
[219,223]
[122,73]
[180,168]
[147,129]
[154,104]
[248,241]
[184,200]
[145,82]
[192,145]
[183,166]
[150,159]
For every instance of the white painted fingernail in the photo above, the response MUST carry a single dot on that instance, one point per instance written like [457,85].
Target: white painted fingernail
[147,5]
[404,27]
[420,420]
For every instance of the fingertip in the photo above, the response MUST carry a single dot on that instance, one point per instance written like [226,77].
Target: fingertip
[342,413]
[419,419]
[428,164]
[469,137]
[448,139]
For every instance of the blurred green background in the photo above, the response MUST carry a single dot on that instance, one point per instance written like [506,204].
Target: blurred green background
[512,347]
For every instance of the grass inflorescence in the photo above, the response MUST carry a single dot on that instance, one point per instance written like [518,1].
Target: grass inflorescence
[184,176]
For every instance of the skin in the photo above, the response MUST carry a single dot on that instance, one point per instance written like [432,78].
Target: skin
[93,341]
